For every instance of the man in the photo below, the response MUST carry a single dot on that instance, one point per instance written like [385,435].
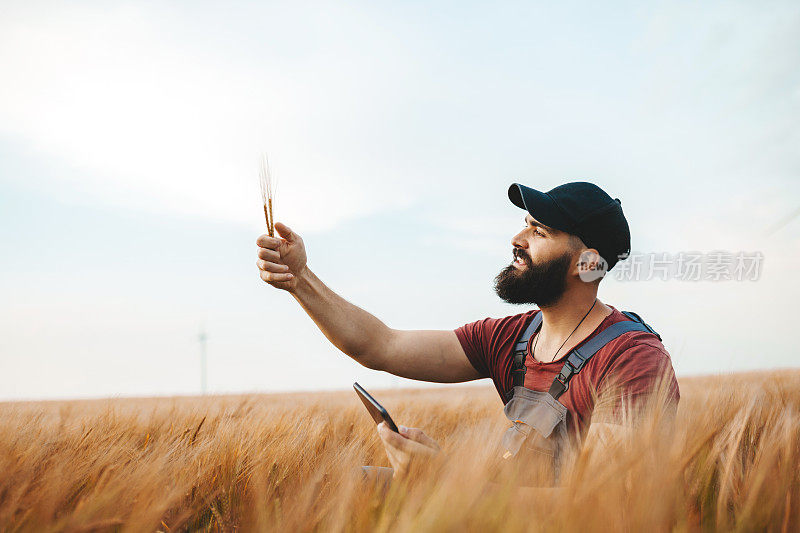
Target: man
[572,235]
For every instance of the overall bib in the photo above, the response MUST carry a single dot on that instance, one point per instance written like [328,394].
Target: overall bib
[537,444]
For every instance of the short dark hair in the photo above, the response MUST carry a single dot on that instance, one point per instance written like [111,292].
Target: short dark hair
[576,242]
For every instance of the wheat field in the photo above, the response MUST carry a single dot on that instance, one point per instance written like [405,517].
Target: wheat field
[291,462]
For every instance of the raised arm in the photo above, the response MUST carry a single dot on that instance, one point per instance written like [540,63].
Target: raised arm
[427,355]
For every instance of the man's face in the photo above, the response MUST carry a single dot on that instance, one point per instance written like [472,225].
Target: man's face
[542,260]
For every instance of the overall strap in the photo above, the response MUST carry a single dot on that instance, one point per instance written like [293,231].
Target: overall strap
[520,352]
[579,356]
[637,318]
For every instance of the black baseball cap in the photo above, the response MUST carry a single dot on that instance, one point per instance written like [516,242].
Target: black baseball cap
[582,209]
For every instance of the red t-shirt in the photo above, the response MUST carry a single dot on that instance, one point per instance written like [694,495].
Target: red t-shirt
[633,363]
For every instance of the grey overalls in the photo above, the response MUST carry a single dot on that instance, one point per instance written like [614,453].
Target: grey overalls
[538,439]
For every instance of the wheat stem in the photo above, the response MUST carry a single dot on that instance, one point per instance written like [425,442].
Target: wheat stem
[267,192]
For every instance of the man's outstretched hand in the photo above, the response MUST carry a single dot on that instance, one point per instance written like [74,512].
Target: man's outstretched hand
[281,261]
[408,447]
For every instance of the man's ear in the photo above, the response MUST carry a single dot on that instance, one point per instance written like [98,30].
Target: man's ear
[591,265]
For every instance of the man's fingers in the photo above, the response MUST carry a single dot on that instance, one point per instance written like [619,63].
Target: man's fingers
[271,277]
[269,255]
[269,266]
[390,437]
[265,241]
[417,435]
[285,232]
[398,442]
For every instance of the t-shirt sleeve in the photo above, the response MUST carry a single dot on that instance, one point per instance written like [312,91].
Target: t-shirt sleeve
[474,338]
[642,370]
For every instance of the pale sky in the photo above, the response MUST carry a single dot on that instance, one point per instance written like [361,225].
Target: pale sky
[130,134]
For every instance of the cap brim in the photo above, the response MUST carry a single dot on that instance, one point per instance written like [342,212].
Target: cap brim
[539,205]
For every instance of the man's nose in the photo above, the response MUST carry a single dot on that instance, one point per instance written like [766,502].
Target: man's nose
[518,242]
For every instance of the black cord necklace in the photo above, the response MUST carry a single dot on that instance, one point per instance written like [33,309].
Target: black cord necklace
[533,349]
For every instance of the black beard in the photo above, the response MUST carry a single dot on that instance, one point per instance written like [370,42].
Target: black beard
[538,284]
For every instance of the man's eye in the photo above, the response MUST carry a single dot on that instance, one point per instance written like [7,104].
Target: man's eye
[535,229]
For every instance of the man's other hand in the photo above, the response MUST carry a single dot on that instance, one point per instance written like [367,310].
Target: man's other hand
[408,447]
[281,261]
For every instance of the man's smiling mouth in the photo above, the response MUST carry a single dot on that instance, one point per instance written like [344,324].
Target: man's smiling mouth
[519,261]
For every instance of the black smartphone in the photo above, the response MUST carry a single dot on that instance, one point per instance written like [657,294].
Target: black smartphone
[378,412]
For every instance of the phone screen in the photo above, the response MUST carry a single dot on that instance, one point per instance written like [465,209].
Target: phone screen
[378,412]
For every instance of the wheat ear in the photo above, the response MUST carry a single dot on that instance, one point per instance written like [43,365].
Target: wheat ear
[267,192]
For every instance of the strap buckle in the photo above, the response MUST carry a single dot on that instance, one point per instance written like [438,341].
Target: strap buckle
[561,383]
[566,373]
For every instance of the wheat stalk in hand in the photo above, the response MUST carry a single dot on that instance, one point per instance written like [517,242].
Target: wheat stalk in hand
[268,187]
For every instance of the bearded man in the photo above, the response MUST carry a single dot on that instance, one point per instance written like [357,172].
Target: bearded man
[549,365]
